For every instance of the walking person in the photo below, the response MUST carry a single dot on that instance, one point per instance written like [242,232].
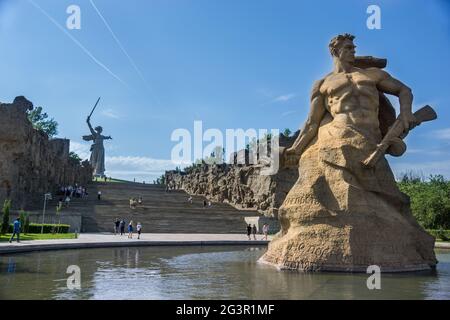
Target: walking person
[131,203]
[67,202]
[99,195]
[16,230]
[122,227]
[130,230]
[265,231]
[116,226]
[249,231]
[139,229]
[254,231]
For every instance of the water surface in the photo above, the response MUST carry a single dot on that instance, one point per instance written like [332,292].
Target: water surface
[198,273]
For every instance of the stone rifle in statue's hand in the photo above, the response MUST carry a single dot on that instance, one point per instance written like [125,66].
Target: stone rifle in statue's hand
[409,121]
[398,131]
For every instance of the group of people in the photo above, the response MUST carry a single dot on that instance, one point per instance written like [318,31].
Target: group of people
[69,192]
[119,227]
[205,204]
[171,186]
[73,191]
[134,202]
[253,230]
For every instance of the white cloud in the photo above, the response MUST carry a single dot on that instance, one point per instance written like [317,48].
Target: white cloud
[83,150]
[443,134]
[287,113]
[429,152]
[280,99]
[139,168]
[110,113]
[138,164]
[285,97]
[126,167]
[423,168]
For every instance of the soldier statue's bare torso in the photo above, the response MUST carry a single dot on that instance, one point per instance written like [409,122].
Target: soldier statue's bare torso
[353,98]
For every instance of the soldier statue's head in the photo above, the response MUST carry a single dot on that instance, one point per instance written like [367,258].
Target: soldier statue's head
[343,48]
[99,129]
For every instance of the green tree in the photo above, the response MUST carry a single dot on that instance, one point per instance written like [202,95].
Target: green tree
[5,219]
[430,200]
[41,122]
[161,180]
[26,226]
[74,158]
[287,132]
[22,216]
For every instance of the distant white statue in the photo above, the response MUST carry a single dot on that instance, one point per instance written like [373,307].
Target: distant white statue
[97,149]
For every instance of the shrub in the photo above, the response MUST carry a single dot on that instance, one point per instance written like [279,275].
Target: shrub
[5,219]
[26,226]
[443,234]
[22,216]
[48,228]
[430,200]
[440,234]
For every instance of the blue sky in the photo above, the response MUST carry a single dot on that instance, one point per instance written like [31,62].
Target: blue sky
[230,63]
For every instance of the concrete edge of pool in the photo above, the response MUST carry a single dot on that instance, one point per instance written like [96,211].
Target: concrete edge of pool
[92,241]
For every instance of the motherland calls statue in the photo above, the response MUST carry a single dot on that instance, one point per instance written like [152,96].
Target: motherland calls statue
[345,212]
[97,160]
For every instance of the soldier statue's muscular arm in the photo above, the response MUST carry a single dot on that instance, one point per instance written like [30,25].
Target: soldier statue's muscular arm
[311,126]
[387,84]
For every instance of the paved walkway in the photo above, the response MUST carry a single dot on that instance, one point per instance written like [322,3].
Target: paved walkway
[442,245]
[104,240]
[99,240]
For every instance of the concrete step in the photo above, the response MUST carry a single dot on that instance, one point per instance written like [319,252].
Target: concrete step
[161,211]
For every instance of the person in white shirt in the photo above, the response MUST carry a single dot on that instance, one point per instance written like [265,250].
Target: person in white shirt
[265,231]
[138,229]
[67,200]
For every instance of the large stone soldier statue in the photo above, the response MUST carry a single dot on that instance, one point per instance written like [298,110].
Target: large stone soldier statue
[345,211]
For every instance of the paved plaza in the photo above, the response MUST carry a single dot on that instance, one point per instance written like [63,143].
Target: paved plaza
[98,240]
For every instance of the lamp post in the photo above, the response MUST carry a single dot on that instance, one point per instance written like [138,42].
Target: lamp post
[47,196]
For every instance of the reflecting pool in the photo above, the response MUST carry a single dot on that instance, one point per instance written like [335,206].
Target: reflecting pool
[229,272]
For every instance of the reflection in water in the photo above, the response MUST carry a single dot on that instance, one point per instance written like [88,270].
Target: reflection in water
[198,273]
[11,265]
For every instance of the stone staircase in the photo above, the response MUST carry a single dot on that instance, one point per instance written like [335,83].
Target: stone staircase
[161,211]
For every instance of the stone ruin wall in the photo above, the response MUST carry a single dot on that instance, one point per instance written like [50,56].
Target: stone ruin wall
[239,185]
[31,164]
